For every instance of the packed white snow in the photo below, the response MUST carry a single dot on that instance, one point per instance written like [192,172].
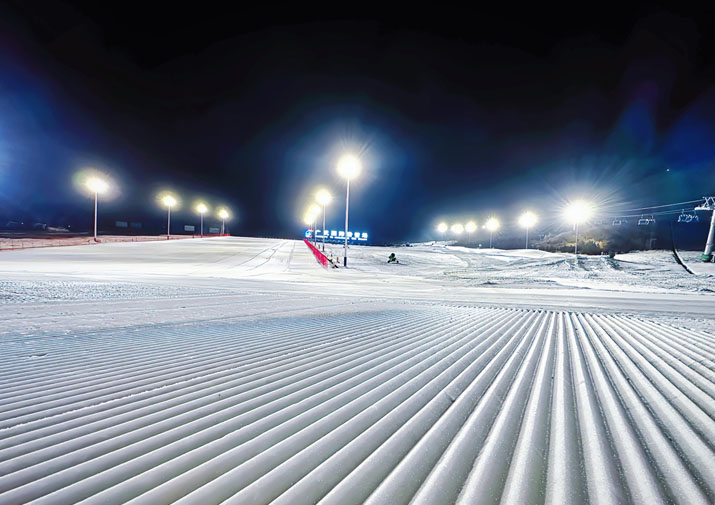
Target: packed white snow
[238,370]
[69,282]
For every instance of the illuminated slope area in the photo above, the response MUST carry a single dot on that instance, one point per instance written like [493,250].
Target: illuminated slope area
[432,404]
[237,370]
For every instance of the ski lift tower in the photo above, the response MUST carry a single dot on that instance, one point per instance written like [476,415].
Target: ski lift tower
[709,204]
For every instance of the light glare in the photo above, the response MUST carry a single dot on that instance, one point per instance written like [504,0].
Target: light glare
[492,224]
[201,208]
[470,227]
[349,166]
[323,197]
[97,185]
[457,228]
[223,214]
[168,200]
[527,219]
[442,227]
[578,211]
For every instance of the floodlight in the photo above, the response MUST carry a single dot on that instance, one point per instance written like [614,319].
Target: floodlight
[442,227]
[349,166]
[527,219]
[323,197]
[457,228]
[201,208]
[578,211]
[97,185]
[169,201]
[470,227]
[223,214]
[492,224]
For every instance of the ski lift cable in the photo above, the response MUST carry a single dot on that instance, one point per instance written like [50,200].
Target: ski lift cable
[660,213]
[659,206]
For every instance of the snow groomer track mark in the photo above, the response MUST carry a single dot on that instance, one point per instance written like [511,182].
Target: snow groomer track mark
[433,405]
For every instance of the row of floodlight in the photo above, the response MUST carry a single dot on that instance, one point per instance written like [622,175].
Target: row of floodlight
[99,185]
[575,212]
[349,167]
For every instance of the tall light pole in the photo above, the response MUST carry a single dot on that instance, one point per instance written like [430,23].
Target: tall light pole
[442,228]
[323,198]
[97,186]
[470,228]
[313,212]
[708,204]
[309,219]
[169,201]
[492,225]
[223,214]
[577,212]
[527,220]
[201,208]
[349,167]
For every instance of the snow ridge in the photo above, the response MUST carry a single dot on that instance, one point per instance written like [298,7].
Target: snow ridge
[425,404]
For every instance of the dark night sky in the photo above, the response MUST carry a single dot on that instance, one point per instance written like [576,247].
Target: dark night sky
[457,112]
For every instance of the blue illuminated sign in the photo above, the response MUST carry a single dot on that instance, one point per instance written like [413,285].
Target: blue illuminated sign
[336,236]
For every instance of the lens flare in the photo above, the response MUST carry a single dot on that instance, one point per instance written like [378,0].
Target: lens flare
[349,166]
[492,224]
[578,211]
[527,219]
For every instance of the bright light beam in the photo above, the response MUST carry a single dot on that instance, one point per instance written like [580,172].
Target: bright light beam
[323,198]
[470,228]
[202,209]
[442,229]
[527,220]
[349,166]
[492,225]
[169,201]
[97,186]
[223,214]
[578,212]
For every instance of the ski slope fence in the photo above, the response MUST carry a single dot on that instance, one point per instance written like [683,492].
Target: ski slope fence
[7,244]
[322,258]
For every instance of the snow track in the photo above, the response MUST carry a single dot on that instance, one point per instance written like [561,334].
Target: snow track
[423,404]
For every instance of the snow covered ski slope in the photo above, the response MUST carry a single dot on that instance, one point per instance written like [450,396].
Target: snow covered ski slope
[436,405]
[240,371]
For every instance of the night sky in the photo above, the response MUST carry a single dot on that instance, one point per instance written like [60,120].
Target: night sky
[456,113]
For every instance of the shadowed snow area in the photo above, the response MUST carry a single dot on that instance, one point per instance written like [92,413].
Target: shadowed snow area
[238,370]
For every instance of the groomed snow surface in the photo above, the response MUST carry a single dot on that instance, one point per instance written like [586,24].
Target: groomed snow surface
[239,371]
